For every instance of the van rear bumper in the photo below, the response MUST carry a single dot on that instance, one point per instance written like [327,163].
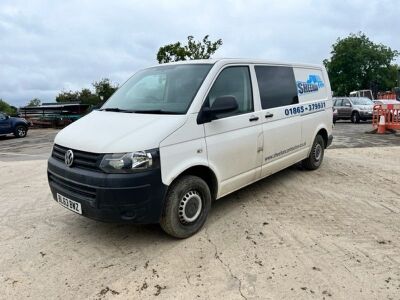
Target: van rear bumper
[133,198]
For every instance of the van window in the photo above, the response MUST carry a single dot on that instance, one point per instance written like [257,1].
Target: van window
[233,81]
[277,86]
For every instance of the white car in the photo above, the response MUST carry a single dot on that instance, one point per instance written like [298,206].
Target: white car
[177,136]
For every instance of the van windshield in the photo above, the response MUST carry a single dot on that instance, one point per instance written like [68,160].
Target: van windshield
[159,90]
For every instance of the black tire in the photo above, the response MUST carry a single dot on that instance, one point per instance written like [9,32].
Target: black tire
[20,131]
[355,117]
[175,218]
[314,160]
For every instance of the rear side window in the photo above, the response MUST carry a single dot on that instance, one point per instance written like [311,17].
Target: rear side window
[277,86]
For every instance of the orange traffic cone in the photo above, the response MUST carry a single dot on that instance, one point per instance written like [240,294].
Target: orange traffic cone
[382,125]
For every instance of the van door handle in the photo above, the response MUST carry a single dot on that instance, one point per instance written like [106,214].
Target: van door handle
[269,115]
[253,118]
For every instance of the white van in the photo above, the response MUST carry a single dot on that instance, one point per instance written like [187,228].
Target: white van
[177,136]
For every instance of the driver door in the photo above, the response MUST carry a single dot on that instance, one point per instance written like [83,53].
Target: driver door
[234,139]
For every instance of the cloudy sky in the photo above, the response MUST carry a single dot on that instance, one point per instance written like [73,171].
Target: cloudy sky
[51,45]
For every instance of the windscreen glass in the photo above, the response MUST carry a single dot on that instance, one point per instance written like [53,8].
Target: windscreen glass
[163,89]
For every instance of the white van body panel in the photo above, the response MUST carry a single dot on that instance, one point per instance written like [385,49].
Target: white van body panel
[182,149]
[232,150]
[115,132]
[313,122]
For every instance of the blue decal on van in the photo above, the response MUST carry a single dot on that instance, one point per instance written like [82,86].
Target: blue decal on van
[313,84]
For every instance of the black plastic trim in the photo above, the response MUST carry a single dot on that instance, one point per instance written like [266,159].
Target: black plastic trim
[133,198]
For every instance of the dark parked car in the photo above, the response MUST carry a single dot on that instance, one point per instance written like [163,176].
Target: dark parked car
[13,125]
[353,108]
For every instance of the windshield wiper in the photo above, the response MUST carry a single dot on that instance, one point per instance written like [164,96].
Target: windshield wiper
[156,111]
[116,109]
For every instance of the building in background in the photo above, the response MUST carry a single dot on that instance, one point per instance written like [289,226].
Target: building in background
[54,114]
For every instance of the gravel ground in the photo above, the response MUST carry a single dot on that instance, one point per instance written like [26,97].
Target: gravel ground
[332,233]
[36,145]
[349,135]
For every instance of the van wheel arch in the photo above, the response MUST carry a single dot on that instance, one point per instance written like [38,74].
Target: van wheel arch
[324,133]
[204,173]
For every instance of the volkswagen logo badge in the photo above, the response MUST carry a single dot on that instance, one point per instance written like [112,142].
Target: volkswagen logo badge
[69,158]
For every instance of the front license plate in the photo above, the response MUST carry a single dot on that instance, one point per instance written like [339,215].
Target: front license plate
[70,204]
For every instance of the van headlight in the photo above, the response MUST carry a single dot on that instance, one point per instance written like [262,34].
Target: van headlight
[128,162]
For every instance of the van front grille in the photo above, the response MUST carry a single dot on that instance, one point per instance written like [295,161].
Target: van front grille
[83,160]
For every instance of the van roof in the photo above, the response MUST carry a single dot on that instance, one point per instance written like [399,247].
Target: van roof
[224,61]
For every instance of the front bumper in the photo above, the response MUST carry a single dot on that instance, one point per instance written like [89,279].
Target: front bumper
[366,115]
[134,198]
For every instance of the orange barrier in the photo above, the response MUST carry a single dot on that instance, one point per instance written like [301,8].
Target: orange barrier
[386,117]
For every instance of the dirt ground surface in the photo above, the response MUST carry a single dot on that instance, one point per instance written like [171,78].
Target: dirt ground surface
[349,135]
[328,234]
[36,145]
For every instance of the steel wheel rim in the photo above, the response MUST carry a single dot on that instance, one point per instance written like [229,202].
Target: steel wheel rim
[190,207]
[317,152]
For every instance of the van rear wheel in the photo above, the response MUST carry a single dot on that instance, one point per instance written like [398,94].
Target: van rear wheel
[314,160]
[187,205]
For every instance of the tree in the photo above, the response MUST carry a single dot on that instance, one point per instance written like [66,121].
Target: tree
[193,50]
[34,102]
[87,97]
[67,96]
[358,63]
[7,108]
[104,88]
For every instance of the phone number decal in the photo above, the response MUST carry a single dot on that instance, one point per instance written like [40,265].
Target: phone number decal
[304,108]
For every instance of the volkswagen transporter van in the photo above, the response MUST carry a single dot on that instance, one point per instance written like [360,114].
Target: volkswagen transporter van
[177,136]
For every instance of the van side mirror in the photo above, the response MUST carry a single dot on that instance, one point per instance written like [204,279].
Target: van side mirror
[347,104]
[223,104]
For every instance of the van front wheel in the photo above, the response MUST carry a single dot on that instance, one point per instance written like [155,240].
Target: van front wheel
[186,208]
[314,160]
